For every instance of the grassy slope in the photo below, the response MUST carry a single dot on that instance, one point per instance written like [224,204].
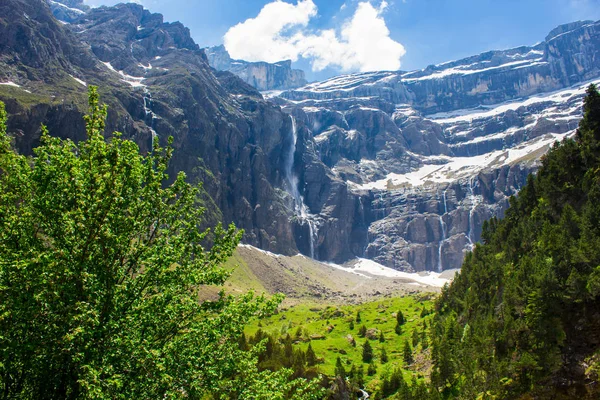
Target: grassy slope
[314,320]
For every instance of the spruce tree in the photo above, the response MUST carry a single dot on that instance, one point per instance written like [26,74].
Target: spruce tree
[367,352]
[311,358]
[383,356]
[339,368]
[407,353]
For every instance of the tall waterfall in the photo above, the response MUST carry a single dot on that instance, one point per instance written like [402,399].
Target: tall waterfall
[443,228]
[300,208]
[149,114]
[474,201]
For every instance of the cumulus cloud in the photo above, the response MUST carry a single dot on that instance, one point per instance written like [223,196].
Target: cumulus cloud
[281,31]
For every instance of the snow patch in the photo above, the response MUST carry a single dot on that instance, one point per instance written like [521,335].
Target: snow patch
[79,80]
[370,267]
[268,253]
[134,81]
[562,96]
[460,167]
[75,10]
[9,83]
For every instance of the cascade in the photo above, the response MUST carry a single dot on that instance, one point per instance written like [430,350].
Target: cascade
[300,208]
[473,201]
[443,239]
[149,114]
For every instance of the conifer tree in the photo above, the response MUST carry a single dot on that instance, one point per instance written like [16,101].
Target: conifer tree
[367,352]
[407,353]
[311,358]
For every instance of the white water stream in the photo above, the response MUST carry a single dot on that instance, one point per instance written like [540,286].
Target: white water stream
[300,208]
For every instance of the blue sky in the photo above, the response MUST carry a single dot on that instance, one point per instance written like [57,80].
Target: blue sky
[413,33]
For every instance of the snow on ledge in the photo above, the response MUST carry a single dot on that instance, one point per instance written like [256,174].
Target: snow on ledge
[9,83]
[79,80]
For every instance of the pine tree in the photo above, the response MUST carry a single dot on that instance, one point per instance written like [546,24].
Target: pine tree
[367,352]
[415,337]
[400,318]
[358,319]
[381,337]
[339,368]
[311,358]
[383,356]
[398,329]
[371,370]
[407,353]
[362,331]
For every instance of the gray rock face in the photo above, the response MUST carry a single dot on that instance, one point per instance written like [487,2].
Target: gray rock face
[404,167]
[567,57]
[261,75]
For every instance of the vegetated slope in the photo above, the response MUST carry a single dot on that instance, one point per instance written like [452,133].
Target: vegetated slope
[303,280]
[524,314]
[395,329]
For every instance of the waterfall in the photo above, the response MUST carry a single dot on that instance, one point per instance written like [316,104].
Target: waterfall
[473,201]
[149,114]
[443,229]
[300,208]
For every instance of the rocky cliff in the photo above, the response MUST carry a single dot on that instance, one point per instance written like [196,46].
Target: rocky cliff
[404,167]
[261,75]
[157,83]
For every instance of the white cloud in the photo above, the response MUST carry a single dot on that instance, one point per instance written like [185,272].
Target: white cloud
[280,32]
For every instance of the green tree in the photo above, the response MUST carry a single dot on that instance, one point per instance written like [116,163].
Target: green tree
[383,357]
[415,337]
[400,318]
[381,337]
[358,319]
[362,331]
[407,353]
[372,369]
[367,352]
[101,267]
[339,368]
[311,358]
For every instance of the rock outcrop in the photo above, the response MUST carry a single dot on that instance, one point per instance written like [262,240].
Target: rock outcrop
[261,75]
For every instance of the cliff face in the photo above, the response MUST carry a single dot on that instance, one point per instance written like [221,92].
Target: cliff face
[404,167]
[568,56]
[158,84]
[399,167]
[261,75]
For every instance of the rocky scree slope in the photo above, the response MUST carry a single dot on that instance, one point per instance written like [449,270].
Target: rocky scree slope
[158,83]
[404,167]
[261,75]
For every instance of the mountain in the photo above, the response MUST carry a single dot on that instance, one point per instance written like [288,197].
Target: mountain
[398,167]
[404,167]
[261,75]
[157,83]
